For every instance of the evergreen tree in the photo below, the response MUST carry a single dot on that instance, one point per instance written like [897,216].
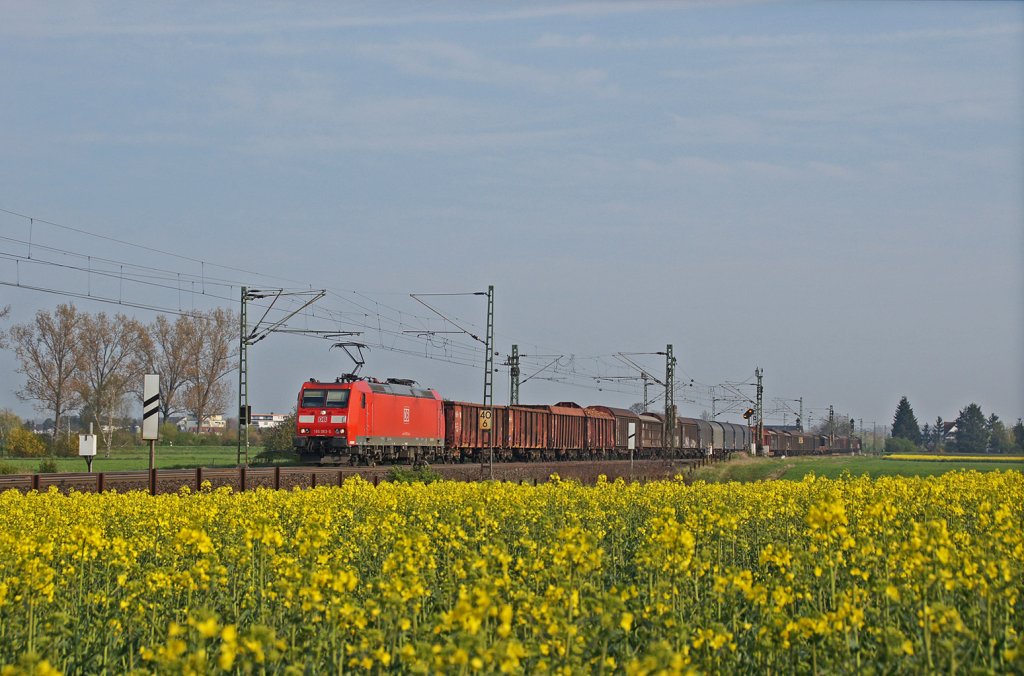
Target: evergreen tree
[1018,436]
[940,433]
[926,436]
[971,430]
[998,436]
[904,423]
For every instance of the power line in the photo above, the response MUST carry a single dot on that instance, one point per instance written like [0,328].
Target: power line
[33,220]
[349,310]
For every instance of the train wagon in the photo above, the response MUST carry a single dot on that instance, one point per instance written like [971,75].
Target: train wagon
[845,444]
[689,436]
[464,438]
[748,438]
[782,442]
[717,436]
[627,429]
[652,433]
[795,442]
[728,436]
[600,439]
[368,422]
[598,429]
[704,436]
[567,430]
[803,443]
[527,431]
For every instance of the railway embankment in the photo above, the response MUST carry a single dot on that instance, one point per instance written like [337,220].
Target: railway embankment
[163,481]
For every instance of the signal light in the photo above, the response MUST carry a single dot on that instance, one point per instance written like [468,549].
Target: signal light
[746,414]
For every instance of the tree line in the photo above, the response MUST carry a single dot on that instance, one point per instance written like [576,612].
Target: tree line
[75,361]
[974,432]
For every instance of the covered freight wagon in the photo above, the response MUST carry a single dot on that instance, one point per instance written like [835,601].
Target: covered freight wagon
[689,434]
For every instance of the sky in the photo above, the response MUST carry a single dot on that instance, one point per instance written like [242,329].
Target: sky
[831,192]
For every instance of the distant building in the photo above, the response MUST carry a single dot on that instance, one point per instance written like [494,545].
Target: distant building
[211,423]
[183,423]
[949,431]
[265,421]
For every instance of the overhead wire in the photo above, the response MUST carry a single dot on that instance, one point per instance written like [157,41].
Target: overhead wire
[356,310]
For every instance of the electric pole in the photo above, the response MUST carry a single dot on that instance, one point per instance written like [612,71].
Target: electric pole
[489,374]
[831,426]
[647,402]
[243,383]
[670,399]
[260,330]
[800,422]
[486,418]
[489,346]
[760,410]
[513,374]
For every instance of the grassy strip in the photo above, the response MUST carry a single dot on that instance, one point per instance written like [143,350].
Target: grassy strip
[746,469]
[955,458]
[127,459]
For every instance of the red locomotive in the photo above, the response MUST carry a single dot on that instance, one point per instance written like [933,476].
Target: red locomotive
[369,421]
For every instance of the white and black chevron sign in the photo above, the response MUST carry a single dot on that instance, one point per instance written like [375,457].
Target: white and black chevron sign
[151,407]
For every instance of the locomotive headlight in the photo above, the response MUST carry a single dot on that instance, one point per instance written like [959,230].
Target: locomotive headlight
[338,430]
[303,430]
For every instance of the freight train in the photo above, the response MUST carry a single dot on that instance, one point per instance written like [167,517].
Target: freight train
[366,421]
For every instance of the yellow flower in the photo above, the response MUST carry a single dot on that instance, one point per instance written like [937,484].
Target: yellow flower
[208,628]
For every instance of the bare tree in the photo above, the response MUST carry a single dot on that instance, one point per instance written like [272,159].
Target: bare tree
[213,354]
[840,426]
[46,352]
[4,311]
[170,356]
[111,360]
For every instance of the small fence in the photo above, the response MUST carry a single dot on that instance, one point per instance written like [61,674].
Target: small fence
[161,481]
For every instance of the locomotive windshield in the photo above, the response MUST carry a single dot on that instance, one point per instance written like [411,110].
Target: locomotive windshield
[324,399]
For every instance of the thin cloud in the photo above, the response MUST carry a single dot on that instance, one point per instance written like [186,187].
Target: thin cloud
[150,138]
[388,141]
[449,61]
[40,21]
[769,41]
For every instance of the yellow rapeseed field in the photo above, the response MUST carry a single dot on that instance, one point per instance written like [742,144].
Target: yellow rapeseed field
[890,575]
